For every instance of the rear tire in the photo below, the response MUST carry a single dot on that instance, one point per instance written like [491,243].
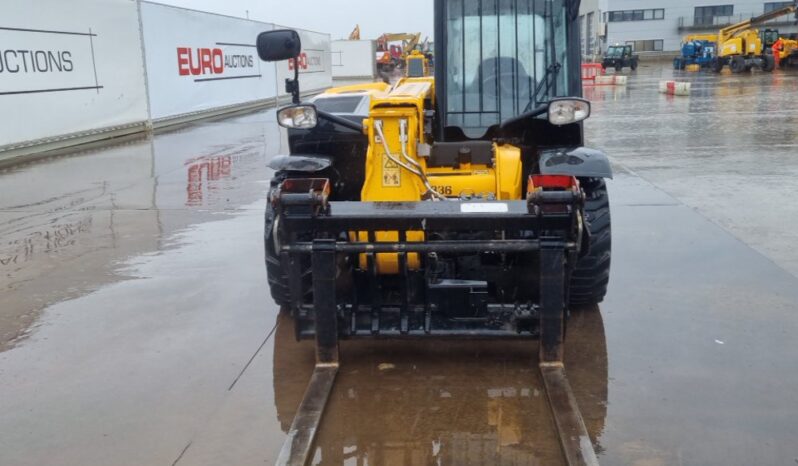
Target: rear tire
[591,275]
[737,64]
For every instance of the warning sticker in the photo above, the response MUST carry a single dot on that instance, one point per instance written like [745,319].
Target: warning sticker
[391,174]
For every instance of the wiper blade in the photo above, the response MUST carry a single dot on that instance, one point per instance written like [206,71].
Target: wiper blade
[552,72]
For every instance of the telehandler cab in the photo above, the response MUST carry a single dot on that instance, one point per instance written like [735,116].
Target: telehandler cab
[463,205]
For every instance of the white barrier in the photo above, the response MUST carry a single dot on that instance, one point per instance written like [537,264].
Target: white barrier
[674,88]
[315,70]
[610,80]
[353,59]
[199,61]
[69,67]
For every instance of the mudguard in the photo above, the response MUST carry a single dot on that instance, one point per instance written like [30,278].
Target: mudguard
[580,162]
[300,163]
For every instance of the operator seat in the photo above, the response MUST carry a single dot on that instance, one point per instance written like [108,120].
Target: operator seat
[509,73]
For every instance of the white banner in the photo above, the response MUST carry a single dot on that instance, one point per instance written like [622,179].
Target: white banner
[199,61]
[69,67]
[315,68]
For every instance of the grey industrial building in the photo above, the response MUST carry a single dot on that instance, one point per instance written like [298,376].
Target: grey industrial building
[658,26]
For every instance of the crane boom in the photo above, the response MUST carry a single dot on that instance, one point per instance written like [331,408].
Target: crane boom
[734,29]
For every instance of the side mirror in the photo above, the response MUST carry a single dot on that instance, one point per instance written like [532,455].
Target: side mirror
[279,45]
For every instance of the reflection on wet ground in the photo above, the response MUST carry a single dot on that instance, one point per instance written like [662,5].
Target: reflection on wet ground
[428,403]
[728,150]
[136,327]
[66,222]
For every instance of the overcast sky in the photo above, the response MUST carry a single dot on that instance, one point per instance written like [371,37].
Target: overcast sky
[337,17]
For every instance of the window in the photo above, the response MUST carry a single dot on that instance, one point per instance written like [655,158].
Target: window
[655,45]
[501,57]
[590,35]
[773,6]
[705,15]
[585,35]
[634,15]
[348,104]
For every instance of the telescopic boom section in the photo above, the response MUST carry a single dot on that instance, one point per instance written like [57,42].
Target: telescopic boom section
[730,31]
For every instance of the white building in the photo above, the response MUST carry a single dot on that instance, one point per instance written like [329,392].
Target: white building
[657,26]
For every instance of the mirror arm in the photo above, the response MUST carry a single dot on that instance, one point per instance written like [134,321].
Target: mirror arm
[530,114]
[295,88]
[341,121]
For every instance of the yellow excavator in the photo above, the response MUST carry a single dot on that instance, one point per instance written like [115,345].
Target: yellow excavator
[740,45]
[355,34]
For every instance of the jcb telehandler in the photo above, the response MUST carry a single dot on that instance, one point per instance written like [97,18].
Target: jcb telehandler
[463,205]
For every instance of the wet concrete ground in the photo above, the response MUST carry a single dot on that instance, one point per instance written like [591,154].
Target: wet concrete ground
[136,328]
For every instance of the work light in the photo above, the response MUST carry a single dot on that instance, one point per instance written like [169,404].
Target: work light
[298,117]
[566,111]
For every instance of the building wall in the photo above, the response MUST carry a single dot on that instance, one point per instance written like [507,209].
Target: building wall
[677,22]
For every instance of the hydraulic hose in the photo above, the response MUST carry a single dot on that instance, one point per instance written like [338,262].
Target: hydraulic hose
[417,172]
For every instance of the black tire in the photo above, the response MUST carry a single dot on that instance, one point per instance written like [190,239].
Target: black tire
[591,275]
[618,68]
[275,275]
[634,65]
[737,64]
[278,280]
[717,65]
[768,63]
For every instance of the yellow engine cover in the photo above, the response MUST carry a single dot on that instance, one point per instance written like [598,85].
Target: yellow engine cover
[391,157]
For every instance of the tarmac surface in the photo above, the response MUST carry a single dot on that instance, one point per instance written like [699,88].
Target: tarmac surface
[136,326]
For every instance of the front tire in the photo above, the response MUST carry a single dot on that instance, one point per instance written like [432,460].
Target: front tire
[591,276]
[276,275]
[768,63]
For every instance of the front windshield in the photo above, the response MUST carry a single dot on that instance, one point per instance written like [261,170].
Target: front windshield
[499,52]
[615,52]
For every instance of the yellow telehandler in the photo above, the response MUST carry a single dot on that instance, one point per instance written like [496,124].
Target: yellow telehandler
[463,205]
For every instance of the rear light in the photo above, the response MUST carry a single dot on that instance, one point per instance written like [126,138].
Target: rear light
[552,182]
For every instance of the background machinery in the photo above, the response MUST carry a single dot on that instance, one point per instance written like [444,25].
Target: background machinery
[785,51]
[740,46]
[697,49]
[417,64]
[355,34]
[392,49]
[459,206]
[620,57]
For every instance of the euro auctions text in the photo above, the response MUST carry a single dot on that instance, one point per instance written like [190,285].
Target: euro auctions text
[36,61]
